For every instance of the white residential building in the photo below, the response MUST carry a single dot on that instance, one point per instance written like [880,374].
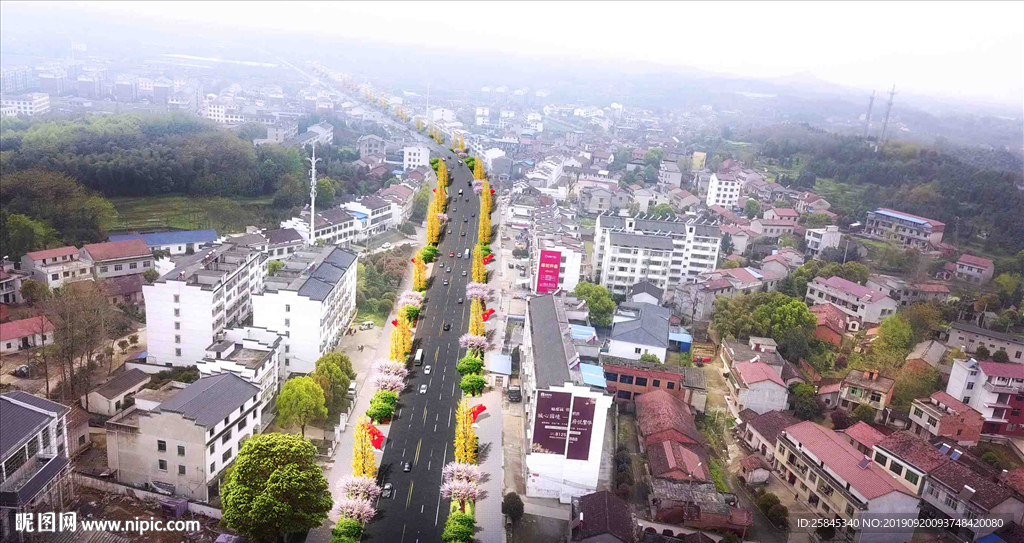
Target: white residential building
[180,441]
[665,252]
[547,173]
[414,156]
[204,294]
[489,156]
[970,337]
[723,190]
[310,301]
[992,389]
[857,301]
[639,328]
[57,266]
[118,258]
[670,174]
[819,239]
[334,226]
[254,354]
[27,105]
[373,215]
[552,231]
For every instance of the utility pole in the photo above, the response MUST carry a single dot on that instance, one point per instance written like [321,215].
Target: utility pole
[888,110]
[312,196]
[867,120]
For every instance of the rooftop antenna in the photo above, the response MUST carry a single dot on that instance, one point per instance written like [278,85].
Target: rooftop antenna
[312,196]
[888,109]
[867,120]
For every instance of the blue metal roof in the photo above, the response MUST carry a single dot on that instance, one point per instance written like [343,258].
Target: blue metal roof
[357,214]
[499,363]
[991,538]
[901,216]
[593,375]
[156,239]
[581,332]
[681,337]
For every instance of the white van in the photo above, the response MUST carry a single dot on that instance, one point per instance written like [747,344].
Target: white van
[418,361]
[466,254]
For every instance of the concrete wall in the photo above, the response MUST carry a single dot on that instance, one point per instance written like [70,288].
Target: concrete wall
[114,488]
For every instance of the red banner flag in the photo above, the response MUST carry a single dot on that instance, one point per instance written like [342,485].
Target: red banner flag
[492,191]
[485,316]
[377,441]
[476,410]
[489,312]
[413,260]
[488,258]
[394,322]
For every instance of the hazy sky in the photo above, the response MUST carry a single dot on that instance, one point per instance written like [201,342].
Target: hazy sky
[959,50]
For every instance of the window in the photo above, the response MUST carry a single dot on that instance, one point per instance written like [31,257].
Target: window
[287,308]
[287,348]
[161,446]
[181,450]
[177,326]
[177,312]
[671,385]
[812,478]
[608,376]
[226,455]
[133,265]
[213,447]
[896,468]
[226,437]
[951,501]
[145,263]
[911,478]
[849,510]
[627,379]
[181,469]
[881,459]
[970,386]
[118,267]
[641,381]
[55,276]
[636,350]
[241,423]
[287,322]
[967,399]
[177,298]
[657,383]
[177,352]
[932,421]
[213,467]
[162,465]
[918,412]
[177,339]
[103,269]
[624,394]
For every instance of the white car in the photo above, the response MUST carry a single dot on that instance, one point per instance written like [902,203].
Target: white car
[426,370]
[385,246]
[423,389]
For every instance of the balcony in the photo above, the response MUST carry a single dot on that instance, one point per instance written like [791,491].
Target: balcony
[1001,389]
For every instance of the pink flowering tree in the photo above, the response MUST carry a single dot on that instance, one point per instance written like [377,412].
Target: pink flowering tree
[460,491]
[410,297]
[359,488]
[358,509]
[478,186]
[469,341]
[479,290]
[442,217]
[390,367]
[461,471]
[389,383]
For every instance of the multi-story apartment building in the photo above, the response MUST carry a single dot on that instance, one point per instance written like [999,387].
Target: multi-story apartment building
[10,284]
[970,337]
[868,388]
[995,390]
[555,244]
[373,215]
[819,239]
[974,269]
[254,354]
[310,302]
[204,294]
[181,445]
[35,472]
[903,228]
[117,258]
[28,105]
[723,190]
[664,252]
[906,293]
[414,156]
[857,301]
[16,79]
[941,415]
[836,480]
[55,267]
[371,144]
[334,226]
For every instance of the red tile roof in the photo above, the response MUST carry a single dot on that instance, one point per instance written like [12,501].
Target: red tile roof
[913,450]
[845,285]
[972,260]
[756,372]
[51,253]
[658,411]
[864,434]
[23,328]
[830,316]
[987,494]
[755,461]
[953,404]
[670,455]
[768,424]
[604,513]
[998,369]
[786,212]
[113,250]
[844,459]
[830,388]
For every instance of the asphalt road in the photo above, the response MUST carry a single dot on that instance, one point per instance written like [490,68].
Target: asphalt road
[423,429]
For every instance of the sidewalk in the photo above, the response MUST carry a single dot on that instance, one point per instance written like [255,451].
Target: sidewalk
[341,464]
[489,518]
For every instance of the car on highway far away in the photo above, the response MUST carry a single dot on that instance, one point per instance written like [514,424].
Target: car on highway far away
[388,490]
[407,467]
[426,370]
[423,389]
[447,326]
[460,300]
[445,283]
[451,253]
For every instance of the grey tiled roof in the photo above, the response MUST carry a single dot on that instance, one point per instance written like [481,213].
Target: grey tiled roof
[282,235]
[35,484]
[661,243]
[651,326]
[20,423]
[121,383]
[210,399]
[549,351]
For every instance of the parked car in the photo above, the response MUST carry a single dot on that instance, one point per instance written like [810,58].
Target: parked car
[445,282]
[385,245]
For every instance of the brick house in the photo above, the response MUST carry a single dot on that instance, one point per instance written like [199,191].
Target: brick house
[627,379]
[832,323]
[866,387]
[945,416]
[661,416]
[974,269]
[761,431]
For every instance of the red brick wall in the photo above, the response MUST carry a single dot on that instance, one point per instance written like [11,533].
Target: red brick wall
[828,335]
[969,430]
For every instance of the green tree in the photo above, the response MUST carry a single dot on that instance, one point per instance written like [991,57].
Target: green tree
[806,405]
[922,318]
[727,247]
[752,208]
[468,365]
[653,157]
[24,235]
[334,384]
[274,488]
[650,174]
[778,515]
[274,266]
[788,240]
[34,291]
[982,353]
[599,302]
[429,253]
[458,528]
[346,531]
[650,357]
[1001,356]
[915,382]
[252,131]
[512,506]
[472,384]
[894,334]
[766,501]
[300,402]
[151,275]
[662,210]
[420,204]
[864,413]
[1008,283]
[325,190]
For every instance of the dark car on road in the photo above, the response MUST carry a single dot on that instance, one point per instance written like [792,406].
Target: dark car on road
[447,326]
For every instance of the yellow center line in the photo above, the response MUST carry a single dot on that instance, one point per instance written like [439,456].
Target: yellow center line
[424,415]
[416,458]
[408,497]
[437,352]
[403,532]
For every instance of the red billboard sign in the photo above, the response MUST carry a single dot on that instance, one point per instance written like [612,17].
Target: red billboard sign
[547,271]
[551,426]
[581,428]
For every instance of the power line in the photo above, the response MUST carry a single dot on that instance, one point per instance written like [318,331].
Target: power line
[888,110]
